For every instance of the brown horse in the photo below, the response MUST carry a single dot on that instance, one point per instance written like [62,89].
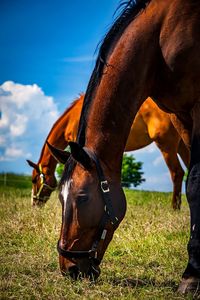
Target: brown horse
[152,49]
[151,124]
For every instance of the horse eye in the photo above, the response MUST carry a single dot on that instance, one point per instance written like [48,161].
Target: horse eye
[82,198]
[34,181]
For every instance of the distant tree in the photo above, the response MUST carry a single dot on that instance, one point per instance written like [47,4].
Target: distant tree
[131,171]
[59,170]
[185,175]
[60,167]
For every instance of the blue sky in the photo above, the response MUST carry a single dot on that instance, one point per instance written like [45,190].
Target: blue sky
[46,58]
[52,43]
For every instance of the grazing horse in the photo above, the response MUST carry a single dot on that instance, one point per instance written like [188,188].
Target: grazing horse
[152,49]
[151,124]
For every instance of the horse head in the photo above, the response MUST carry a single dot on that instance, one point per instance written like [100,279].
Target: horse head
[89,216]
[43,184]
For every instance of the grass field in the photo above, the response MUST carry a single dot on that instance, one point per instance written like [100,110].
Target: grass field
[145,260]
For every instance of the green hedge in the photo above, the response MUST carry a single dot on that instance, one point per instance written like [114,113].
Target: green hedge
[15,180]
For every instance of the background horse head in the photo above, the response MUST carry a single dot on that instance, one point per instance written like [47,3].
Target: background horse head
[43,183]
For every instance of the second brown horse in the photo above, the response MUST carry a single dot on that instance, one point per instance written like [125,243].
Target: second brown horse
[150,125]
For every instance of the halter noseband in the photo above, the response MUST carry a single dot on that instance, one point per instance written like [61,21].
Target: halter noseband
[43,184]
[107,216]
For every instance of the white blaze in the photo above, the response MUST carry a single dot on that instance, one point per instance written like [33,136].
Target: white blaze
[65,192]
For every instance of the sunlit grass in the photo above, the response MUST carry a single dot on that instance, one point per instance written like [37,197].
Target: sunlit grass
[145,260]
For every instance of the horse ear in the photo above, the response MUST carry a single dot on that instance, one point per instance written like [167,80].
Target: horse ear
[60,155]
[33,165]
[80,155]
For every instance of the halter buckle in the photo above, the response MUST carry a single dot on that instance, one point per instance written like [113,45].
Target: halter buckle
[115,221]
[105,186]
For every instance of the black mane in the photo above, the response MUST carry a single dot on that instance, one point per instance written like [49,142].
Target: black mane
[129,10]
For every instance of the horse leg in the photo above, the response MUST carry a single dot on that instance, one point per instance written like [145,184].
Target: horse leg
[191,276]
[176,172]
[183,125]
[184,153]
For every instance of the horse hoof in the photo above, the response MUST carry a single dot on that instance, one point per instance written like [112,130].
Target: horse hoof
[176,207]
[189,285]
[176,204]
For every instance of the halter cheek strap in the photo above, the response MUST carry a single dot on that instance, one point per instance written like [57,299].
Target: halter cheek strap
[104,187]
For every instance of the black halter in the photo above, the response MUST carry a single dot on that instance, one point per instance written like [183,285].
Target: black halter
[107,216]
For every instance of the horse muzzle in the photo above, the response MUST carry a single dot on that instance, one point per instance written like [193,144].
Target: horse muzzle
[38,201]
[82,268]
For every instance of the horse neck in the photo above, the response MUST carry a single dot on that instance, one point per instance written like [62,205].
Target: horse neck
[63,131]
[126,82]
[107,132]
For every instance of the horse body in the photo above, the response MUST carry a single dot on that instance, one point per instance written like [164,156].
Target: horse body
[153,52]
[151,124]
[172,30]
[179,76]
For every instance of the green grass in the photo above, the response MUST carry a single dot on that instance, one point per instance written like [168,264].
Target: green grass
[145,260]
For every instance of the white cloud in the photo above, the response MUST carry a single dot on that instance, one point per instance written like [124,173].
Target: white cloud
[27,115]
[4,118]
[19,125]
[158,179]
[158,160]
[157,182]
[13,152]
[2,140]
[152,148]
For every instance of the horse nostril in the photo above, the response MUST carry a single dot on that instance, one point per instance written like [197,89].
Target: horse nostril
[73,272]
[94,272]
